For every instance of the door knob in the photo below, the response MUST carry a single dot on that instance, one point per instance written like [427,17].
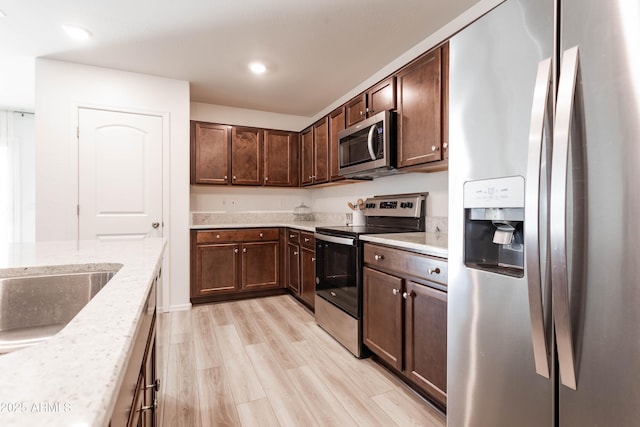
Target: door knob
[155,224]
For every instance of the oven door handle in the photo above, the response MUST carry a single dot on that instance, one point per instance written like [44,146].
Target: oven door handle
[334,239]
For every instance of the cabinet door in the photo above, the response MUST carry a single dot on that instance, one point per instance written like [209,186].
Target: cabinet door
[419,121]
[209,153]
[355,110]
[308,276]
[321,151]
[149,413]
[280,158]
[336,124]
[260,265]
[426,339]
[293,267]
[246,156]
[216,269]
[306,156]
[382,315]
[381,97]
[445,100]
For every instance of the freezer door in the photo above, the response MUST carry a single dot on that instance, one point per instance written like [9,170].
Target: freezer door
[603,308]
[492,379]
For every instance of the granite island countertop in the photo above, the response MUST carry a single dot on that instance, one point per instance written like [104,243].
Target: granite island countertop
[73,378]
[434,244]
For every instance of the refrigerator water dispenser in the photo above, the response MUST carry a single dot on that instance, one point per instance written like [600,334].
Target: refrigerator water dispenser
[494,225]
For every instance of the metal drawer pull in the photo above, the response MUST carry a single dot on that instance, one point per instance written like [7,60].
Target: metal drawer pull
[261,234]
[378,257]
[225,177]
[295,252]
[244,250]
[291,236]
[235,250]
[155,385]
[313,259]
[406,295]
[433,270]
[150,407]
[306,239]
[396,291]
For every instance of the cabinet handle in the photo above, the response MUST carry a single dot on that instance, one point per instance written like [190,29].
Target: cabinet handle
[155,385]
[362,113]
[433,271]
[266,178]
[445,145]
[291,236]
[244,250]
[406,295]
[313,259]
[295,252]
[217,236]
[225,177]
[434,148]
[396,291]
[150,407]
[378,257]
[306,239]
[234,177]
[261,234]
[235,250]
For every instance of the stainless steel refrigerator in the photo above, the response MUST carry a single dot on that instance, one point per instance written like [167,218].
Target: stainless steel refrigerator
[544,216]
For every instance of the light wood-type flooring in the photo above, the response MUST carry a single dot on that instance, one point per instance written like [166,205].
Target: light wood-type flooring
[265,362]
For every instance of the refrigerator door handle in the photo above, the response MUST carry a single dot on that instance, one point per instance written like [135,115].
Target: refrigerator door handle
[558,210]
[541,112]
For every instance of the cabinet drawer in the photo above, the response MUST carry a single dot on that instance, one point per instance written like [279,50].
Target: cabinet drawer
[307,240]
[293,236]
[406,263]
[237,235]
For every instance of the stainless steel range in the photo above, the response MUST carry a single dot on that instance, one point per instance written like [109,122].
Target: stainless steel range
[338,305]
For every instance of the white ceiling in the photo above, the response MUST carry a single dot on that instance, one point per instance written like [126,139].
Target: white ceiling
[316,51]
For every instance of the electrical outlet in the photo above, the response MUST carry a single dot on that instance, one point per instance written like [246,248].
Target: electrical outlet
[349,218]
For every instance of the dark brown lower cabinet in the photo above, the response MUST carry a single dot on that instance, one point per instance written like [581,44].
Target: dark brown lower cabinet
[405,325]
[234,261]
[137,401]
[301,266]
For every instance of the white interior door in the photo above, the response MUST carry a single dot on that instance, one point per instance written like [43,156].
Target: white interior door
[119,175]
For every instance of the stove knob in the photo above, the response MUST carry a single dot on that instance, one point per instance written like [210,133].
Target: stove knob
[409,204]
[403,205]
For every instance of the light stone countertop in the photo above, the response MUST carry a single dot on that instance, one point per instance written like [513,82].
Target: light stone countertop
[434,244]
[208,220]
[299,225]
[73,378]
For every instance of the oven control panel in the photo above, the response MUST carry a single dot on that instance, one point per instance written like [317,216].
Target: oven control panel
[405,205]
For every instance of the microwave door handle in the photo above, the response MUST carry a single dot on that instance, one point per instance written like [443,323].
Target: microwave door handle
[372,129]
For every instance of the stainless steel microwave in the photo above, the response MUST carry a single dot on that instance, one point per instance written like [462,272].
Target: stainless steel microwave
[368,149]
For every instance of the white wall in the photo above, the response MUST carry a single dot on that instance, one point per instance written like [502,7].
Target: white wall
[242,199]
[60,88]
[243,117]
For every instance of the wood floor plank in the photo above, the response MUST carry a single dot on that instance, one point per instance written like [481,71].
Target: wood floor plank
[290,410]
[407,410]
[257,413]
[217,407]
[364,410]
[325,407]
[180,391]
[206,347]
[220,313]
[278,341]
[356,369]
[244,382]
[180,327]
[245,325]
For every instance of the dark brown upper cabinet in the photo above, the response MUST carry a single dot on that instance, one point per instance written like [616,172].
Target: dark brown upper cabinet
[209,153]
[306,156]
[321,150]
[356,110]
[419,104]
[336,124]
[281,160]
[378,98]
[246,156]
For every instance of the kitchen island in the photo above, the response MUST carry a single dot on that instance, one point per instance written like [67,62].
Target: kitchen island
[73,379]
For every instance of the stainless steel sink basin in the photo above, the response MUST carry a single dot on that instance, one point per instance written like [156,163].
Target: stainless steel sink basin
[35,307]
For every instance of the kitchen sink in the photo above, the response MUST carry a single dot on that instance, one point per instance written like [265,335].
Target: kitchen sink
[35,307]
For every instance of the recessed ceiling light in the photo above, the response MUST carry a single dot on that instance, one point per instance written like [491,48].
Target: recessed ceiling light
[76,32]
[257,68]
